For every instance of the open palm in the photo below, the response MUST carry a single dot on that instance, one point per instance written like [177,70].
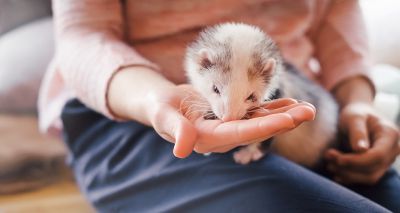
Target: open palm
[201,135]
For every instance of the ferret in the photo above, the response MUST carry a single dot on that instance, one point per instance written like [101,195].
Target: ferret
[237,67]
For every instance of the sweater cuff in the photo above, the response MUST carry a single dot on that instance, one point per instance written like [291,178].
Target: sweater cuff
[346,71]
[119,56]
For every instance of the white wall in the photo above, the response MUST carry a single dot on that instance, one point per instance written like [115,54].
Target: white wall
[383,24]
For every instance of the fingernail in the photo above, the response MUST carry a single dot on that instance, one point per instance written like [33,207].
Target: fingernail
[300,115]
[207,154]
[363,144]
[307,103]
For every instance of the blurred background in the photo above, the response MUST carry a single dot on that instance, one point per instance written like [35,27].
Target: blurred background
[33,175]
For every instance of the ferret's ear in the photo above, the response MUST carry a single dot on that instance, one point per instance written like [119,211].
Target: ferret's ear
[269,67]
[205,58]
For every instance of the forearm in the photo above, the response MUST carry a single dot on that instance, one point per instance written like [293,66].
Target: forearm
[356,89]
[131,91]
[91,49]
[341,47]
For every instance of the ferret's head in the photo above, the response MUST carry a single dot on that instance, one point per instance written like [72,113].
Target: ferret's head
[235,67]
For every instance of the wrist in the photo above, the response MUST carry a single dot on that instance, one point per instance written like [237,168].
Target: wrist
[129,92]
[157,99]
[354,90]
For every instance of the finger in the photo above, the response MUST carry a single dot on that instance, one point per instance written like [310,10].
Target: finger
[278,103]
[283,102]
[302,113]
[214,133]
[373,158]
[261,127]
[379,128]
[264,112]
[267,107]
[224,149]
[346,176]
[177,129]
[358,132]
[333,166]
[270,127]
[331,155]
[206,148]
[185,139]
[217,134]
[385,135]
[384,148]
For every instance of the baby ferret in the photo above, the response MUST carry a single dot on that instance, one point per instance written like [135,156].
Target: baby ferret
[236,67]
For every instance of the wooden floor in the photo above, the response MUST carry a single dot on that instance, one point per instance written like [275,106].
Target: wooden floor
[63,195]
[60,197]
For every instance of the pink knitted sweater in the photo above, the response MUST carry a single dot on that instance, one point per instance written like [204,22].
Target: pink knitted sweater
[95,38]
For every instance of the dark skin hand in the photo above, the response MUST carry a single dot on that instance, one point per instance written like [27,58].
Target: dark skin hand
[374,141]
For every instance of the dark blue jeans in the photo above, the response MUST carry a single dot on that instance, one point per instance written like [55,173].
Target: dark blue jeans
[127,167]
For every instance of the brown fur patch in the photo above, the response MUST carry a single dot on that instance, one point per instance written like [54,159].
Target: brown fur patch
[255,70]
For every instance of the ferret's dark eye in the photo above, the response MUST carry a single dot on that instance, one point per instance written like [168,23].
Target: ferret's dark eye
[252,98]
[215,89]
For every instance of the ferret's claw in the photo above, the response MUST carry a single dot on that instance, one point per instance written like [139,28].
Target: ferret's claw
[248,154]
[257,155]
[242,156]
[207,154]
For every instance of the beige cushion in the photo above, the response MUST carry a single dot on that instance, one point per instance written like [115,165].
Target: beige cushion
[14,13]
[24,55]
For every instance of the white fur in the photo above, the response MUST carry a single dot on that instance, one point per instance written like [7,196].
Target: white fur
[303,145]
[244,38]
[231,104]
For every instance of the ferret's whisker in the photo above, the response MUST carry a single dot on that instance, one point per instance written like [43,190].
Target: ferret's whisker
[192,109]
[196,101]
[192,104]
[194,113]
[198,104]
[254,109]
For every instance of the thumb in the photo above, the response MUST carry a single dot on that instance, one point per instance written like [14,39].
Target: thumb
[358,133]
[185,138]
[174,127]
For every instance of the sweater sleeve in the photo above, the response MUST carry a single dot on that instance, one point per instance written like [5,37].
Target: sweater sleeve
[90,48]
[342,44]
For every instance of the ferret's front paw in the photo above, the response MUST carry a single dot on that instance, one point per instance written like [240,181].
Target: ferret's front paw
[248,154]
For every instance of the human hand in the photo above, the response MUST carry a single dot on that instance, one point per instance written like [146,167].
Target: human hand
[192,132]
[279,116]
[374,142]
[168,109]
